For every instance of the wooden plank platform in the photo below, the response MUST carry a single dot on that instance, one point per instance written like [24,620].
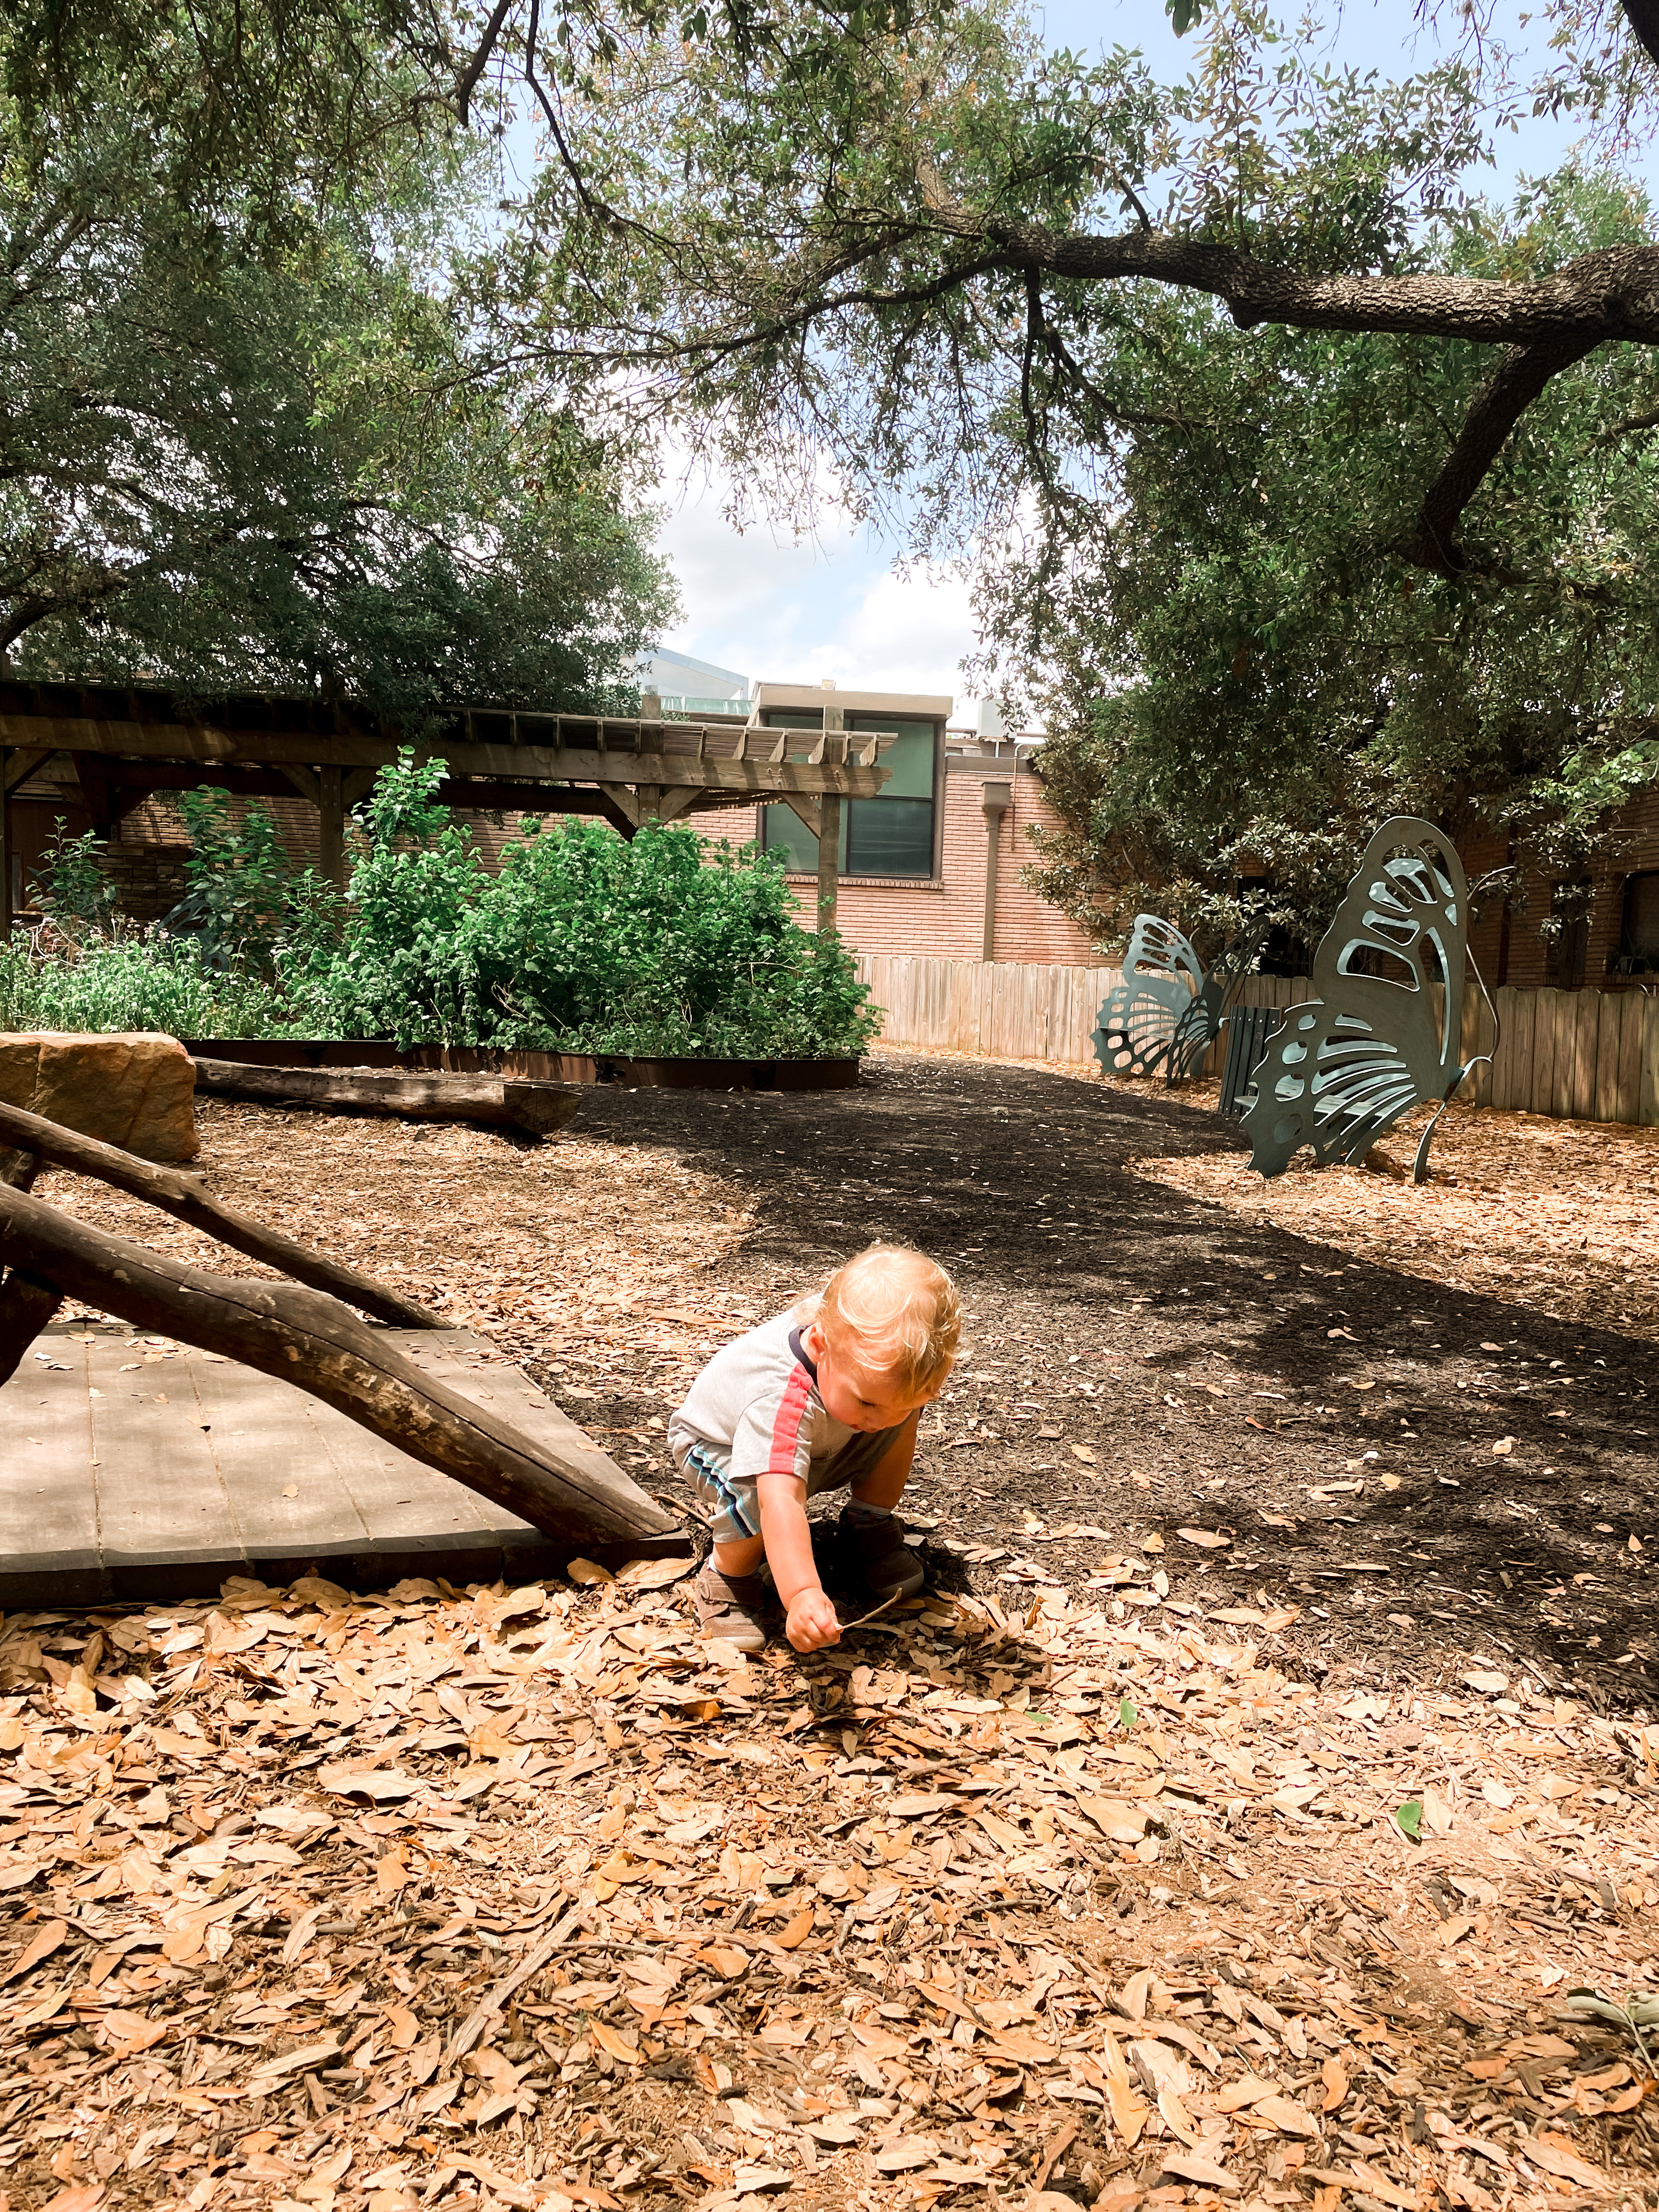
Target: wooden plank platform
[141,1469]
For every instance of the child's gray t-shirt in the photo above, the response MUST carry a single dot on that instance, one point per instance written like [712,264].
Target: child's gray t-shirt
[756,1409]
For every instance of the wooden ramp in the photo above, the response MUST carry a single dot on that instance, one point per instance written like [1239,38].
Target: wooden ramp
[138,1468]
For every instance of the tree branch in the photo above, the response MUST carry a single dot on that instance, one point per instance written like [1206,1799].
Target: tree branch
[1643,17]
[1612,293]
[1520,375]
[475,69]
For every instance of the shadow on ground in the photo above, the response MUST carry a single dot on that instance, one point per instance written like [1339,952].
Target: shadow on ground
[1144,1363]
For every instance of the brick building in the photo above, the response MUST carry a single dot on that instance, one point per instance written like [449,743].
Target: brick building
[1607,915]
[917,863]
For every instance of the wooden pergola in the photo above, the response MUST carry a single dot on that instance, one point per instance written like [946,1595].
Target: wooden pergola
[126,743]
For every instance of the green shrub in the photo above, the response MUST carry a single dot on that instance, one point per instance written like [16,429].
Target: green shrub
[74,892]
[138,980]
[580,942]
[242,890]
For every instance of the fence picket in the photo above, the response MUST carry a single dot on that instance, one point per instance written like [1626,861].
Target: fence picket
[1627,1096]
[1503,1064]
[1647,1110]
[1573,1056]
[1541,1098]
[1526,1034]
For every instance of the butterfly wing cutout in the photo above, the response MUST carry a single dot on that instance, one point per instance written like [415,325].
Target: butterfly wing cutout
[1162,977]
[1330,1080]
[1200,1024]
[1383,1033]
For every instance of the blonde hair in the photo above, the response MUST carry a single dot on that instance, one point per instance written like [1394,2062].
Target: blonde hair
[894,1310]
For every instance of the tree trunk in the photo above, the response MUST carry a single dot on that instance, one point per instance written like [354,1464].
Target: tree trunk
[313,1342]
[186,1197]
[537,1108]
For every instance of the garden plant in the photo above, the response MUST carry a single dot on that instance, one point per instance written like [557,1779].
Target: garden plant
[579,941]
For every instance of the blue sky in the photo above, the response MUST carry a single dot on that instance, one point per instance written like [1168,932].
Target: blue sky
[768,606]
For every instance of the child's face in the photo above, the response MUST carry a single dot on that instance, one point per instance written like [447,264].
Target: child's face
[861,1397]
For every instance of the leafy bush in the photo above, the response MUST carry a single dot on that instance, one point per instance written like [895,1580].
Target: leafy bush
[241,886]
[580,942]
[140,981]
[75,893]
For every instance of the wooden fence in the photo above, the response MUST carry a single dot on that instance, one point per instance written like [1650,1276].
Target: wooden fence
[1574,1055]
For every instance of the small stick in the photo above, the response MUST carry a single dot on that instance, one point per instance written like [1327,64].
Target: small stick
[873,1612]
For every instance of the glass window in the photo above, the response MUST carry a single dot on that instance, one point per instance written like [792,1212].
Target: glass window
[892,836]
[910,760]
[1638,939]
[783,831]
[889,837]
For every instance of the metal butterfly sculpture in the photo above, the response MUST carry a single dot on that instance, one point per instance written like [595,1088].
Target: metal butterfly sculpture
[1384,1033]
[1168,1007]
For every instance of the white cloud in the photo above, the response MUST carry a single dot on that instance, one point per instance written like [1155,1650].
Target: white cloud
[769,606]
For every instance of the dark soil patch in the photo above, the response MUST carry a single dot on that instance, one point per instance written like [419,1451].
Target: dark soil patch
[1223,1377]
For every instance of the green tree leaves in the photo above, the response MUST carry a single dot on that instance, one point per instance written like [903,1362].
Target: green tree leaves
[250,439]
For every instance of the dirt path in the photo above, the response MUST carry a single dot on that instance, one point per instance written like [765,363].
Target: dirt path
[1385,1451]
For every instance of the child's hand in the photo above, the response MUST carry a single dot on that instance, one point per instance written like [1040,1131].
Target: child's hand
[813,1622]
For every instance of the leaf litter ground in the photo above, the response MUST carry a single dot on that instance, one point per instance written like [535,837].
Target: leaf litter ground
[1083,1881]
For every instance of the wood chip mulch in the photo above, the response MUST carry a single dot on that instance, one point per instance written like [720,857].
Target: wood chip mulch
[1560,1217]
[528,1898]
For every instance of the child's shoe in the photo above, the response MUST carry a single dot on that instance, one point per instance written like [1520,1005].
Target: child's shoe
[734,1607]
[884,1559]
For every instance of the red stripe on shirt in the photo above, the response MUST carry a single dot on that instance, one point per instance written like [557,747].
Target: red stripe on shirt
[785,1429]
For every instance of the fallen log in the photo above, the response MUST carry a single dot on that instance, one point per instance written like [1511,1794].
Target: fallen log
[187,1198]
[311,1341]
[494,1101]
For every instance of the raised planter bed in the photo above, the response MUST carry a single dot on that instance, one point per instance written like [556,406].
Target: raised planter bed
[535,1067]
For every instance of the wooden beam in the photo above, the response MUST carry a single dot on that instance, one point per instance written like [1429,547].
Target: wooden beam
[497,1103]
[305,781]
[330,827]
[659,806]
[803,809]
[22,763]
[94,781]
[26,1305]
[771,779]
[315,1343]
[829,862]
[5,845]
[613,808]
[519,798]
[132,781]
[188,1199]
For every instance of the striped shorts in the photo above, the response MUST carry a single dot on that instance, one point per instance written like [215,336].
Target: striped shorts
[734,1500]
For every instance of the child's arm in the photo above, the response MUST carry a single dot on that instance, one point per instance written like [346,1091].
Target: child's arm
[788,1537]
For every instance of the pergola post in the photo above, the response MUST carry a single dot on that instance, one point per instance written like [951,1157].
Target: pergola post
[829,860]
[330,827]
[5,846]
[830,821]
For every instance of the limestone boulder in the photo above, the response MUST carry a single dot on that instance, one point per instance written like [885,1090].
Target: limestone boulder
[135,1088]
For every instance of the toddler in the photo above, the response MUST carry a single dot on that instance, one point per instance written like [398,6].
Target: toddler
[826,1397]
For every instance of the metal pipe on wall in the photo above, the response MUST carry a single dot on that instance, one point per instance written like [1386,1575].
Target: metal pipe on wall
[996,798]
